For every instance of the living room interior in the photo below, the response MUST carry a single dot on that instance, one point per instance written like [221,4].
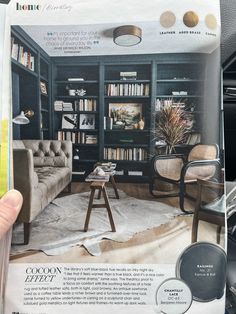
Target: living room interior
[73,112]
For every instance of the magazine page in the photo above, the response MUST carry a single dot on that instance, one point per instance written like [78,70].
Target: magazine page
[117,150]
[5,136]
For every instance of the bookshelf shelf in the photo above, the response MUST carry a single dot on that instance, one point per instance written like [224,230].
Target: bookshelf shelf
[130,97]
[17,66]
[61,97]
[76,82]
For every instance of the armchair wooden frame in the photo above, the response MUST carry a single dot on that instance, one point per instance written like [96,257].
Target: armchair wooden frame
[204,214]
[181,182]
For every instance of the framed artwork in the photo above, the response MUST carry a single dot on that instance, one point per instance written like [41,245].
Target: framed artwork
[125,115]
[69,121]
[87,121]
[43,88]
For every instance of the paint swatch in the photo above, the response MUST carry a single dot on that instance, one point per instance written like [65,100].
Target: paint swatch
[203,267]
[167,19]
[211,21]
[190,19]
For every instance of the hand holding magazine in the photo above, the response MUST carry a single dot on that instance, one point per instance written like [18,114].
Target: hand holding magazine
[153,71]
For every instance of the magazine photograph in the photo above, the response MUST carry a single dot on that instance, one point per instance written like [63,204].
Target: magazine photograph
[118,151]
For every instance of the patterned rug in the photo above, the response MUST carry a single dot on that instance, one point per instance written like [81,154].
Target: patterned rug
[60,226]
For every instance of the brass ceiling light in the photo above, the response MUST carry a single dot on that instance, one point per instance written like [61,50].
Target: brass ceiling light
[127,35]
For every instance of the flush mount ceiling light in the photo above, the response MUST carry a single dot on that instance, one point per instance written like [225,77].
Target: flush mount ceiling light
[127,35]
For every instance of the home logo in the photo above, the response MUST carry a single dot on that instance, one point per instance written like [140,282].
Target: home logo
[28,7]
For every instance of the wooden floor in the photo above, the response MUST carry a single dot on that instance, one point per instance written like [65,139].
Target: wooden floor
[161,245]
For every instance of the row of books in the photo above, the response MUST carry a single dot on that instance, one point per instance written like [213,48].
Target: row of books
[132,154]
[77,137]
[86,105]
[80,105]
[21,55]
[127,89]
[161,103]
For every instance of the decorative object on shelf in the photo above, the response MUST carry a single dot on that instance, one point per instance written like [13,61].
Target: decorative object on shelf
[69,121]
[43,88]
[76,92]
[72,92]
[127,35]
[87,121]
[141,124]
[75,79]
[171,126]
[80,92]
[76,154]
[125,115]
[23,117]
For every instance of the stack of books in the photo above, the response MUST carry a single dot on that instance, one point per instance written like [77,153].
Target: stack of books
[128,75]
[94,177]
[91,139]
[60,105]
[67,106]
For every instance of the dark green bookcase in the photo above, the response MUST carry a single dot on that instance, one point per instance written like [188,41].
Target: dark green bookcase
[27,88]
[132,149]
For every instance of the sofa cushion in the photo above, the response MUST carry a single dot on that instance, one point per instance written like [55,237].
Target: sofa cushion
[53,179]
[35,180]
[57,161]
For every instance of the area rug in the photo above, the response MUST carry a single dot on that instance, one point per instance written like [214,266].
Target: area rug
[60,226]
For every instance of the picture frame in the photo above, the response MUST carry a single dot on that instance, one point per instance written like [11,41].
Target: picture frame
[87,121]
[69,121]
[125,115]
[43,88]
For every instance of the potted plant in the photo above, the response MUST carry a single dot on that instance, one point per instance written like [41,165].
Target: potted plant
[172,126]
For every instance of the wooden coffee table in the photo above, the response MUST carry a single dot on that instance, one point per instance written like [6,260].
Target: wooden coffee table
[100,186]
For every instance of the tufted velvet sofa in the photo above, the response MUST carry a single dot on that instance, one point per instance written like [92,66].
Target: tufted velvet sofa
[42,169]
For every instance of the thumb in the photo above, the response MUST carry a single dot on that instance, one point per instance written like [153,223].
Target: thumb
[10,205]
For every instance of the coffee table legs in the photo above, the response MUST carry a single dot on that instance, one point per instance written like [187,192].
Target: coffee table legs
[90,206]
[113,182]
[100,186]
[108,207]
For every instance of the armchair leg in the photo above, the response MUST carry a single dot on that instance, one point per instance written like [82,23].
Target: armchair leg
[151,185]
[218,234]
[195,229]
[182,193]
[27,227]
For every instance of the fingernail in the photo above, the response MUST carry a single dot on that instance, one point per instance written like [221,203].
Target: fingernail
[12,198]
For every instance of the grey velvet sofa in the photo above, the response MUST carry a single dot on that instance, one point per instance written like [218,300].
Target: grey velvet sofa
[42,169]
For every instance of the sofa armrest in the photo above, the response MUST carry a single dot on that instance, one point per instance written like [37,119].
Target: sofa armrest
[24,179]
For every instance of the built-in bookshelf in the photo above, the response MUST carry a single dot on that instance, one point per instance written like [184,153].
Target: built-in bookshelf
[31,82]
[114,104]
[76,112]
[182,85]
[127,121]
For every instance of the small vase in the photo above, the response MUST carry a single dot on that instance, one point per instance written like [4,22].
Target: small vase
[141,124]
